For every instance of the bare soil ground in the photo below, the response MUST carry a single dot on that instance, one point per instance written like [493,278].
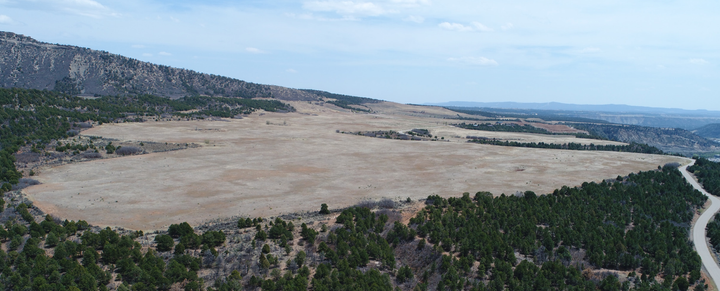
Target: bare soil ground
[269,164]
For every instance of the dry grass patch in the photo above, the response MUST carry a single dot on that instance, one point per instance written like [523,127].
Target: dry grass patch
[252,168]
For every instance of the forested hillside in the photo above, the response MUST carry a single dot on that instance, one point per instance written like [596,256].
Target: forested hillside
[709,131]
[621,234]
[708,174]
[671,140]
[344,101]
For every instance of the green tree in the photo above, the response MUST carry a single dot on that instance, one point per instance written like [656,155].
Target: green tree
[264,263]
[164,242]
[300,258]
[179,249]
[324,209]
[51,240]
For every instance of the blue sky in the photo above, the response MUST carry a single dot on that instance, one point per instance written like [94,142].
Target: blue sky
[647,53]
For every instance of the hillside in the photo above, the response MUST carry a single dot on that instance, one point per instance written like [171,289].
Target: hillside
[669,140]
[709,131]
[672,140]
[622,114]
[30,64]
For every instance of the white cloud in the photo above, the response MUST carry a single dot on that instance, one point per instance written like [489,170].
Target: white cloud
[478,61]
[480,27]
[416,19]
[507,26]
[138,46]
[4,19]
[291,71]
[164,54]
[310,16]
[89,8]
[476,26]
[147,55]
[254,50]
[455,26]
[346,7]
[699,61]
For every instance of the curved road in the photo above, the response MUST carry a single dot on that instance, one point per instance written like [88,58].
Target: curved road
[698,230]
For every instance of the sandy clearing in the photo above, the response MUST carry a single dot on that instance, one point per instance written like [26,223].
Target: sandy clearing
[256,166]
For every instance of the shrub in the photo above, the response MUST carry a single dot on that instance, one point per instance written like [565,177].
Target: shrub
[128,150]
[386,203]
[92,155]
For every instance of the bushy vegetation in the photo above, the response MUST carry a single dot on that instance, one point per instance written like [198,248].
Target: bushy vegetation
[632,147]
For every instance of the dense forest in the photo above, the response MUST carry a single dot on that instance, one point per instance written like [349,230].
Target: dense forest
[632,147]
[708,174]
[34,117]
[713,232]
[634,227]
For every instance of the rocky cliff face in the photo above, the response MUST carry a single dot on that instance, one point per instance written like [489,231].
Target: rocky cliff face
[27,63]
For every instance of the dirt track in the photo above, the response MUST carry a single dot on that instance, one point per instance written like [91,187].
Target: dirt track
[270,164]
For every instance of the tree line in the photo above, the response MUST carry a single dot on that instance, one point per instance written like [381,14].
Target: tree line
[632,147]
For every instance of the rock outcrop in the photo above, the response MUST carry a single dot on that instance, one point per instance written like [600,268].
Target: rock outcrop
[28,63]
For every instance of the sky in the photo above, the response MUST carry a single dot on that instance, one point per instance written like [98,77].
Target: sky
[647,53]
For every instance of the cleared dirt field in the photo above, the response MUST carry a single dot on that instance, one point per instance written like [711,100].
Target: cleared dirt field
[272,163]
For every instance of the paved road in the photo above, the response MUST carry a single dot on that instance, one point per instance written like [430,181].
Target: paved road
[698,231]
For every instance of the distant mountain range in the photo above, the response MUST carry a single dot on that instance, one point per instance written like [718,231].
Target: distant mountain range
[622,114]
[30,64]
[614,108]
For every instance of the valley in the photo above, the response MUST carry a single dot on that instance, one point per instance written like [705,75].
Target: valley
[118,174]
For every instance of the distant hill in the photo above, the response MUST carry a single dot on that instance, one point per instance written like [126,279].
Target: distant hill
[623,114]
[671,140]
[30,64]
[709,131]
[668,139]
[615,108]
